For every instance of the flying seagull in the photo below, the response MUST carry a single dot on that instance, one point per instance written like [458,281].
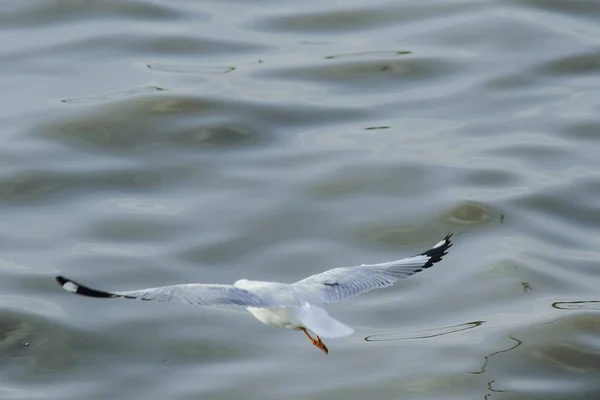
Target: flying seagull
[296,306]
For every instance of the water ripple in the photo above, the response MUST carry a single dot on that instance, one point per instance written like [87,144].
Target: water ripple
[113,250]
[423,334]
[142,206]
[112,96]
[148,142]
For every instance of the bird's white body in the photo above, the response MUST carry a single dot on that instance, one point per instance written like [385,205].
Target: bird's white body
[308,314]
[279,317]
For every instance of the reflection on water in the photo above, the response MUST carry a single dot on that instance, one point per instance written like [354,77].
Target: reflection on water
[113,96]
[368,54]
[473,213]
[113,250]
[142,206]
[13,267]
[12,393]
[423,334]
[191,69]
[492,390]
[32,306]
[577,305]
[14,332]
[487,358]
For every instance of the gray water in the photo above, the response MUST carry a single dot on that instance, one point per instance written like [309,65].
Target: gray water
[151,142]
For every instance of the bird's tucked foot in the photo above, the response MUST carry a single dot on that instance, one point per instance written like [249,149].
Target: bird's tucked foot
[321,345]
[317,342]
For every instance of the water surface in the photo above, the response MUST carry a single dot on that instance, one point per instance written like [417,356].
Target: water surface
[147,143]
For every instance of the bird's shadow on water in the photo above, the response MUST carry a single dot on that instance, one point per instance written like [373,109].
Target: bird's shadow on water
[423,334]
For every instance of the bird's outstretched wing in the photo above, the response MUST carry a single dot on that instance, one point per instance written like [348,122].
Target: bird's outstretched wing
[194,294]
[342,283]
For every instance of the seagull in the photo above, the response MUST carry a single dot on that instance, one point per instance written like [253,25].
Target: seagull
[297,306]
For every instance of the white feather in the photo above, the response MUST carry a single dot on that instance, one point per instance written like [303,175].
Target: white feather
[70,287]
[317,319]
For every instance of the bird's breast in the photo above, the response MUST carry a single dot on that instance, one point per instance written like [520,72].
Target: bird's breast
[279,317]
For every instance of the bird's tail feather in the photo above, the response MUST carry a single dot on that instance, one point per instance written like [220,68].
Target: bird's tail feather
[316,319]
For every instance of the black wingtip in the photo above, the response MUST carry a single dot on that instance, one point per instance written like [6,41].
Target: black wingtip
[437,252]
[61,280]
[77,288]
